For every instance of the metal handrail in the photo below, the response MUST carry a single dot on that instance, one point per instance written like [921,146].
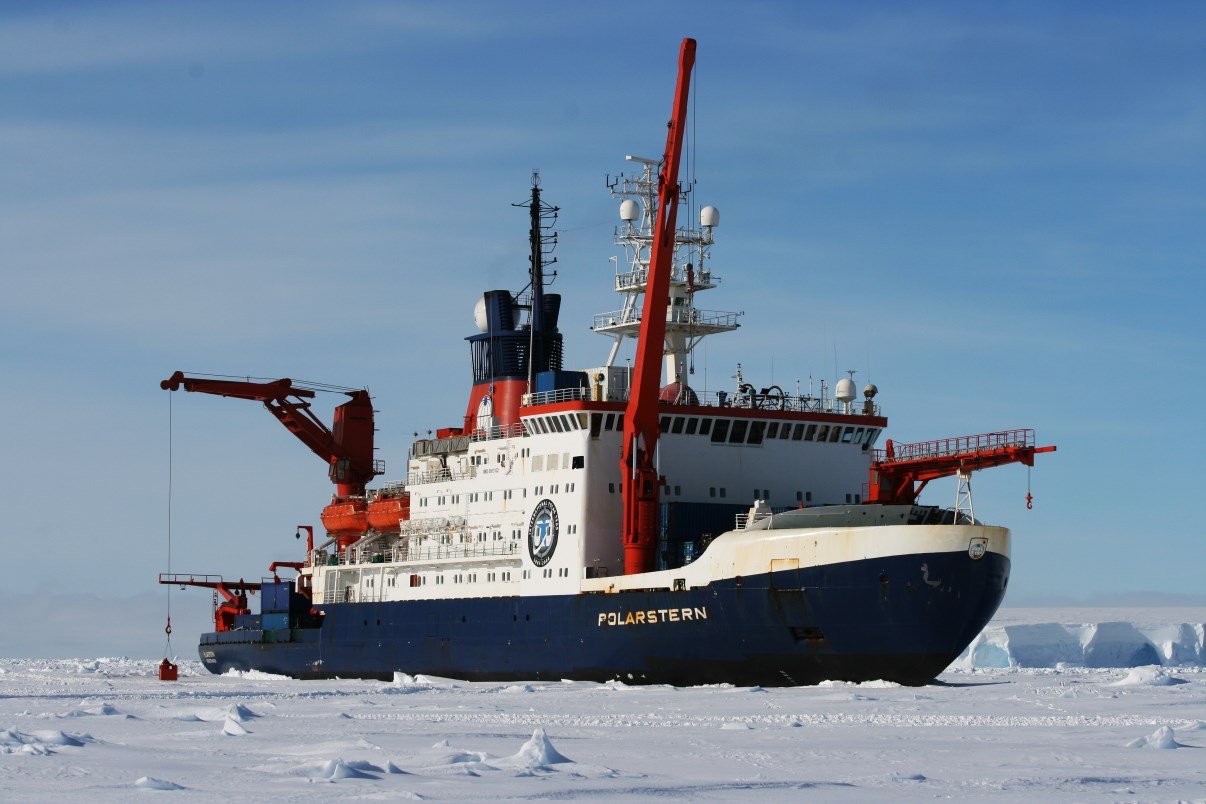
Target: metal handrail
[416,478]
[943,447]
[682,315]
[560,395]
[501,431]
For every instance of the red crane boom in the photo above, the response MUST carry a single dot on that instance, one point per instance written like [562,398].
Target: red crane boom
[898,468]
[234,595]
[346,447]
[640,485]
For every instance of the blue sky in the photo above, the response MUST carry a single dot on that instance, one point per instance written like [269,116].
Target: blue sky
[997,209]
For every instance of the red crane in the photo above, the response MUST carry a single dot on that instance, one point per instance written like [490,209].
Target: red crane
[346,446]
[234,595]
[898,468]
[640,485]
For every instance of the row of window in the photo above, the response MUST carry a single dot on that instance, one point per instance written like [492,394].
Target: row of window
[441,578]
[555,423]
[746,431]
[721,491]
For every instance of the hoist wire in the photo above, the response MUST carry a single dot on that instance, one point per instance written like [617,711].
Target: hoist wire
[168,629]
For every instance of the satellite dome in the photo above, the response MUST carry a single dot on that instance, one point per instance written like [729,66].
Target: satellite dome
[870,391]
[709,217]
[629,211]
[845,390]
[479,315]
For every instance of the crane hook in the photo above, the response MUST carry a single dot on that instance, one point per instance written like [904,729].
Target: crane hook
[1029,501]
[168,629]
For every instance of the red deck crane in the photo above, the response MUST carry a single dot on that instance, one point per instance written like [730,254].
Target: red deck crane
[897,469]
[640,485]
[346,447]
[233,595]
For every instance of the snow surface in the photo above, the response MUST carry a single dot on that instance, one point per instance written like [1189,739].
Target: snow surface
[1010,733]
[993,726]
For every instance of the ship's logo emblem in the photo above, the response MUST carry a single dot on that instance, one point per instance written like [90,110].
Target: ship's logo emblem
[977,548]
[542,533]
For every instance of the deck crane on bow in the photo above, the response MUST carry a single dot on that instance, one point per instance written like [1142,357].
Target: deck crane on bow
[898,469]
[640,484]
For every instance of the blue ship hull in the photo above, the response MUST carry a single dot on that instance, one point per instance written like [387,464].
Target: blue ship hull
[878,618]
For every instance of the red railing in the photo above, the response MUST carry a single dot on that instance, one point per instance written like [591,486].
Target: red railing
[960,445]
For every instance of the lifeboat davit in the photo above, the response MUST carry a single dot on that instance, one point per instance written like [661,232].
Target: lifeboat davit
[346,519]
[386,513]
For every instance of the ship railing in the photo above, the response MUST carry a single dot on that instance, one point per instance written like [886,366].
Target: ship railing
[435,476]
[773,398]
[630,280]
[679,315]
[944,447]
[743,521]
[559,395]
[501,431]
[411,554]
[439,552]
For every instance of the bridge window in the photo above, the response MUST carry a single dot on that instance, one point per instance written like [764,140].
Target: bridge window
[692,422]
[737,434]
[677,425]
[835,434]
[608,421]
[858,436]
[720,431]
[596,422]
[772,430]
[797,432]
[823,432]
[756,431]
[847,434]
[704,426]
[664,424]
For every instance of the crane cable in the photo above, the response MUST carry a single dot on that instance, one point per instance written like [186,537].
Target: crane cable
[167,654]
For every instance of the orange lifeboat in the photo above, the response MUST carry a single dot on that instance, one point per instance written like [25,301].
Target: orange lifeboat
[346,518]
[386,513]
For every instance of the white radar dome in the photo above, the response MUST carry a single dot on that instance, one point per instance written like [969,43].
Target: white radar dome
[479,315]
[709,217]
[845,391]
[629,211]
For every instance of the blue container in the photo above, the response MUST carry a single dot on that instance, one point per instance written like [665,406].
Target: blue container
[274,597]
[275,622]
[251,622]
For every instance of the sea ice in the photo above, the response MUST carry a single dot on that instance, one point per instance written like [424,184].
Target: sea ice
[234,728]
[151,783]
[1163,737]
[1148,677]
